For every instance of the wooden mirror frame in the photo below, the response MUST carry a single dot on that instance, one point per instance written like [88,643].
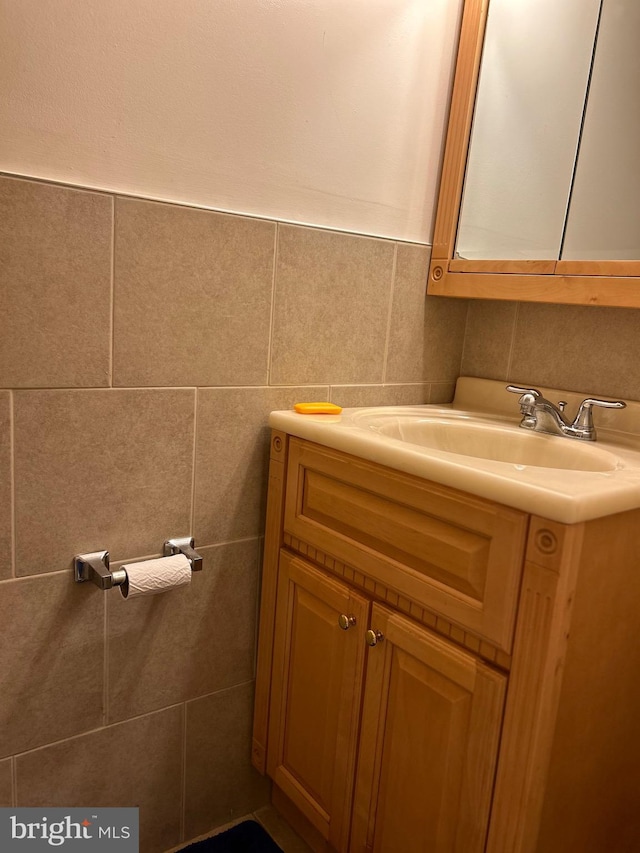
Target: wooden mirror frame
[571,282]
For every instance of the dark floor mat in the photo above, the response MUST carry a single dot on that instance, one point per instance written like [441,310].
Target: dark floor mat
[245,837]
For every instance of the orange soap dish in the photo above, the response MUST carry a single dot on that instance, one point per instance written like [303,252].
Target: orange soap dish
[317,408]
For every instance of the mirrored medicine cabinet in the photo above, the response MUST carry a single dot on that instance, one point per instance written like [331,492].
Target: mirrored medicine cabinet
[540,190]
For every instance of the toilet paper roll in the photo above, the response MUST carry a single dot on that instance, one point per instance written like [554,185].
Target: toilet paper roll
[154,576]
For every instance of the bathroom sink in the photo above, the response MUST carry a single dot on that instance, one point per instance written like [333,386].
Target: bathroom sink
[499,443]
[476,445]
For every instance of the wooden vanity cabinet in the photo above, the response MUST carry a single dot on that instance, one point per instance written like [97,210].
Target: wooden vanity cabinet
[441,674]
[316,690]
[427,738]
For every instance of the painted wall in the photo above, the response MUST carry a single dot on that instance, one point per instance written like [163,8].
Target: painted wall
[315,111]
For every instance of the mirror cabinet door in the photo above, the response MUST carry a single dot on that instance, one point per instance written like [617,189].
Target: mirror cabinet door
[540,193]
[604,215]
[533,83]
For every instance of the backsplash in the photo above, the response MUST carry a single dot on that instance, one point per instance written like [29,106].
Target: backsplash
[143,346]
[592,350]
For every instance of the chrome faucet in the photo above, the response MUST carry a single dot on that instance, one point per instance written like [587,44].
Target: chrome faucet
[541,415]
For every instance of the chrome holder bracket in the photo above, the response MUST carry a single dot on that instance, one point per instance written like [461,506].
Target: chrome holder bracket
[95,567]
[184,546]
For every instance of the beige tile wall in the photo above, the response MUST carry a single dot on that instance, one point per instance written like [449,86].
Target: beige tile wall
[218,728]
[6,783]
[51,660]
[100,469]
[5,484]
[424,338]
[55,295]
[232,453]
[143,346]
[193,296]
[188,644]
[331,307]
[588,349]
[136,763]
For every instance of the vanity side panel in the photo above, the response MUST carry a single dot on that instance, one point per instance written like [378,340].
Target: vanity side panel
[272,543]
[544,617]
[591,801]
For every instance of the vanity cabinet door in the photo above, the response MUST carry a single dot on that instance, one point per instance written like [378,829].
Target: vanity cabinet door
[316,690]
[457,555]
[428,747]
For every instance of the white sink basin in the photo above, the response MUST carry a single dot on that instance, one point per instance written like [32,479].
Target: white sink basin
[499,443]
[475,445]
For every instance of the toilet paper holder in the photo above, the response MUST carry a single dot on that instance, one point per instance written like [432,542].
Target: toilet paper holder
[95,566]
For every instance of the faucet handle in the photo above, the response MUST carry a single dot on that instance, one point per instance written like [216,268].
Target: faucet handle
[516,390]
[584,419]
[604,404]
[528,401]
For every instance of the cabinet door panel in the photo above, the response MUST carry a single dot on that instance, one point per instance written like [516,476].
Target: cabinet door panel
[316,691]
[456,554]
[429,741]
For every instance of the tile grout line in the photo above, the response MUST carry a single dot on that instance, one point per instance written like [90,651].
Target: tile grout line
[387,339]
[12,481]
[183,809]
[104,388]
[464,338]
[98,729]
[134,559]
[192,519]
[259,561]
[513,342]
[112,290]
[274,277]
[388,384]
[105,674]
[128,720]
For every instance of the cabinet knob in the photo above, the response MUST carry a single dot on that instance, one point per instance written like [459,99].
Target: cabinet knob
[373,637]
[345,622]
